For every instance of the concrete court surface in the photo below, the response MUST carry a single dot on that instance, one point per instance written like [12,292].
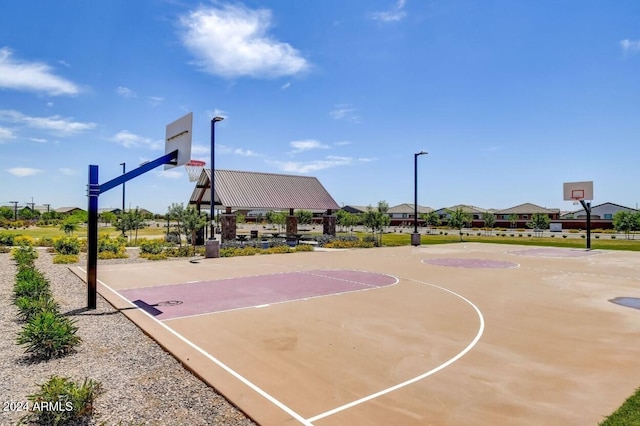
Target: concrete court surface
[465,334]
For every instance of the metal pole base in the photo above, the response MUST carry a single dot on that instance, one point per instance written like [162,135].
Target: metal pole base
[212,249]
[415,239]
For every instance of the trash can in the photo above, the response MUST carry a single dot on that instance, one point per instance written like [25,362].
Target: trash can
[264,244]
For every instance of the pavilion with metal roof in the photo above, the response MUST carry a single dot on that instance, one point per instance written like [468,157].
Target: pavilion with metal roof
[242,190]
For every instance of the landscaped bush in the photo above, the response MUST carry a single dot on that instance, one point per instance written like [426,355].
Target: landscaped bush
[59,259]
[184,251]
[49,335]
[72,402]
[24,255]
[67,245]
[28,307]
[111,248]
[349,244]
[151,246]
[30,283]
[46,242]
[6,239]
[24,241]
[564,236]
[5,249]
[149,256]
[235,251]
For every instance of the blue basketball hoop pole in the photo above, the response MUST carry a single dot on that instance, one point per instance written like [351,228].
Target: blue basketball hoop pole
[94,189]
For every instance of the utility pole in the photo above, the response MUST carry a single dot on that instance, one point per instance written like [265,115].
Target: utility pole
[15,210]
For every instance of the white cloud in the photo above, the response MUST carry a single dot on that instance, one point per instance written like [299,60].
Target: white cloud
[6,134]
[68,172]
[306,145]
[155,100]
[344,112]
[311,166]
[125,92]
[32,76]
[171,174]
[38,140]
[233,41]
[24,171]
[55,124]
[131,140]
[630,47]
[396,13]
[224,149]
[342,143]
[285,86]
[366,159]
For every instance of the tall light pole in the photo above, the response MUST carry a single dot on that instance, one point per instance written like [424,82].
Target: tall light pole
[415,237]
[124,165]
[214,120]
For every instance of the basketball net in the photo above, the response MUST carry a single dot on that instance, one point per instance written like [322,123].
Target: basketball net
[194,169]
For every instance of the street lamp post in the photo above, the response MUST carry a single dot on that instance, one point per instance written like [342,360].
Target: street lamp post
[214,120]
[415,237]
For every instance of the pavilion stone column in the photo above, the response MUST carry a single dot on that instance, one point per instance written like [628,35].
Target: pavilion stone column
[329,224]
[228,221]
[292,223]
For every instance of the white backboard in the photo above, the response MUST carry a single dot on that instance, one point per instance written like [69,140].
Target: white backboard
[576,191]
[178,136]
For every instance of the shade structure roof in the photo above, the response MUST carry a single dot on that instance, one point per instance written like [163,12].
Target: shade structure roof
[256,190]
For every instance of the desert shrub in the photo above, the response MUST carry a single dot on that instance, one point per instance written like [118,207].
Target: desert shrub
[6,239]
[46,242]
[30,283]
[234,251]
[304,247]
[564,236]
[151,246]
[349,244]
[597,236]
[371,239]
[24,241]
[5,249]
[60,259]
[583,236]
[151,256]
[184,251]
[49,335]
[24,255]
[67,245]
[111,248]
[613,237]
[173,237]
[528,235]
[72,402]
[323,239]
[28,307]
[279,250]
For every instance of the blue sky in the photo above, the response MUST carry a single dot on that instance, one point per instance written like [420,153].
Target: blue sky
[510,98]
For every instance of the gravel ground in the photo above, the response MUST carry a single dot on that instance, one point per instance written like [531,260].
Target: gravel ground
[143,384]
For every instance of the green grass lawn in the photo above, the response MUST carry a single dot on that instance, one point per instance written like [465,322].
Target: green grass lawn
[54,231]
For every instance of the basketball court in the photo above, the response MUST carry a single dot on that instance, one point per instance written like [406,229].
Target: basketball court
[448,334]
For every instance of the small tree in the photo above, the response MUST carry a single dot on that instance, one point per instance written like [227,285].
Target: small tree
[304,216]
[626,222]
[69,225]
[108,217]
[277,218]
[539,222]
[513,219]
[175,212]
[432,219]
[489,221]
[192,222]
[458,219]
[376,220]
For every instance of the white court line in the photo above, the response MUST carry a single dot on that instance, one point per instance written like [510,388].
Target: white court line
[215,360]
[309,421]
[417,378]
